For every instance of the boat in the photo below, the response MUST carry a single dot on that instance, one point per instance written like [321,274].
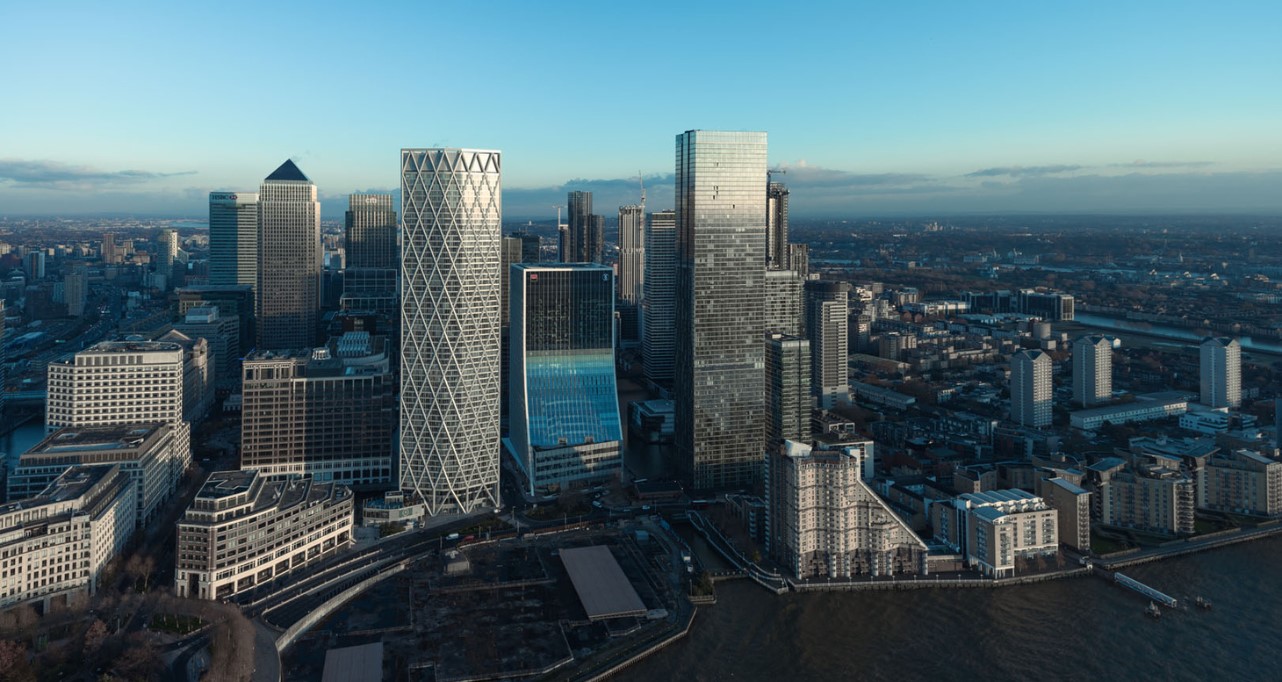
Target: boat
[1203,603]
[1153,610]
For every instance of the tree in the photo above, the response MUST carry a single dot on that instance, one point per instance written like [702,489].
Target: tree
[14,664]
[94,637]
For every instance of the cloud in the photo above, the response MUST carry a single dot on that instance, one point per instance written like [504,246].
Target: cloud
[1138,163]
[53,175]
[1023,171]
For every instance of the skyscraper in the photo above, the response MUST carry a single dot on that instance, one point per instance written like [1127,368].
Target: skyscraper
[799,259]
[1030,388]
[565,427]
[167,245]
[586,232]
[720,382]
[828,328]
[631,254]
[233,238]
[289,260]
[783,303]
[1092,369]
[373,259]
[788,397]
[1221,370]
[530,246]
[452,213]
[777,226]
[659,341]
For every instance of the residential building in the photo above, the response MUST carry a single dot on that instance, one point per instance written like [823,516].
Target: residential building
[565,425]
[328,412]
[586,231]
[141,451]
[1030,388]
[1092,370]
[719,382]
[1072,505]
[828,328]
[658,307]
[450,367]
[122,383]
[632,240]
[825,522]
[76,289]
[1145,407]
[242,530]
[777,226]
[788,397]
[289,260]
[233,239]
[58,542]
[1148,498]
[996,528]
[799,259]
[1241,482]
[1221,372]
[784,312]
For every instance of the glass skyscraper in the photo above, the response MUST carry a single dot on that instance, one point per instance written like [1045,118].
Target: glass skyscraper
[658,305]
[233,238]
[372,258]
[720,371]
[451,216]
[565,427]
[289,260]
[777,226]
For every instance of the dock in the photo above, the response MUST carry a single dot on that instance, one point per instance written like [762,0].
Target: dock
[1152,593]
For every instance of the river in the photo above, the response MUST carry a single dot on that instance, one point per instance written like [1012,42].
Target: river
[1169,332]
[1079,628]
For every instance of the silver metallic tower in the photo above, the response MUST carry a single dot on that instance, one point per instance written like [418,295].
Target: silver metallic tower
[289,260]
[720,371]
[451,215]
[631,253]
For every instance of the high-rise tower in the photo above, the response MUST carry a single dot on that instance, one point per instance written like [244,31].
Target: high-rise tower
[451,219]
[1030,388]
[233,238]
[828,328]
[720,382]
[1221,370]
[631,253]
[373,260]
[289,260]
[777,226]
[1092,370]
[659,332]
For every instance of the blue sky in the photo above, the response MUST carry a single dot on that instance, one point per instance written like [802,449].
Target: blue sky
[874,108]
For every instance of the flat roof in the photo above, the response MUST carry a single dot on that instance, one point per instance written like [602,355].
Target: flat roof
[603,588]
[362,663]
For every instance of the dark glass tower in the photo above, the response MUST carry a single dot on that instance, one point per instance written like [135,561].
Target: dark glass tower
[721,236]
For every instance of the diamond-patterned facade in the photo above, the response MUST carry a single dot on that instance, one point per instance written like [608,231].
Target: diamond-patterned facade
[450,222]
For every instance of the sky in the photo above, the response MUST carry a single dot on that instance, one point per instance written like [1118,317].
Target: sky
[872,108]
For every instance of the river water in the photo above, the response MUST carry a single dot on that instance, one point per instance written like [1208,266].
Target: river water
[1078,628]
[1169,332]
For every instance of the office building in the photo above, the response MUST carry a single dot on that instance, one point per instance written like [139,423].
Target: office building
[289,260]
[719,382]
[243,529]
[565,425]
[631,254]
[825,522]
[58,542]
[1030,388]
[658,307]
[777,255]
[222,332]
[530,247]
[372,261]
[994,529]
[1221,370]
[198,374]
[586,232]
[449,433]
[788,397]
[327,412]
[1048,305]
[122,383]
[4,356]
[1240,482]
[142,451]
[233,239]
[784,309]
[828,328]
[1092,370]
[231,300]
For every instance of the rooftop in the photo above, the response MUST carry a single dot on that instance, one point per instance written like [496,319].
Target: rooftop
[71,439]
[602,587]
[287,172]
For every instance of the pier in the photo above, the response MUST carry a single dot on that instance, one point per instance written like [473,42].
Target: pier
[1133,584]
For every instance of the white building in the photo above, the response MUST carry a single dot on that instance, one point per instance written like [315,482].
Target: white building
[242,530]
[122,382]
[1241,481]
[58,542]
[1092,370]
[1143,408]
[825,521]
[1030,388]
[992,529]
[1221,370]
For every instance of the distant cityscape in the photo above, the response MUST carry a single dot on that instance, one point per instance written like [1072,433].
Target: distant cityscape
[426,443]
